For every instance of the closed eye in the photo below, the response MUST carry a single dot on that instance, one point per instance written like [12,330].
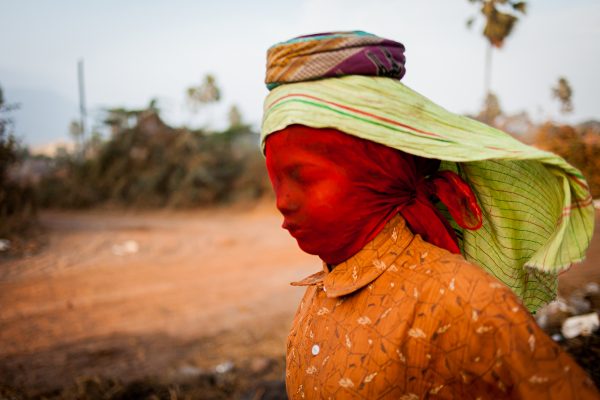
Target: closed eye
[303,173]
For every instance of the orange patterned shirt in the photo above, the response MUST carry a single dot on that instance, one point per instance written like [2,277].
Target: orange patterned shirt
[403,319]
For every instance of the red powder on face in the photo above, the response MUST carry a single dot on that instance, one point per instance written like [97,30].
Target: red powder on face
[336,191]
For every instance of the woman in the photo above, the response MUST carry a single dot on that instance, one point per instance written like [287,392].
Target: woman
[412,210]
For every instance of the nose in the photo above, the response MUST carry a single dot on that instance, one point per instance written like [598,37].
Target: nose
[287,202]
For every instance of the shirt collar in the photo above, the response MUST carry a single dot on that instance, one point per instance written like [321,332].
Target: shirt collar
[365,266]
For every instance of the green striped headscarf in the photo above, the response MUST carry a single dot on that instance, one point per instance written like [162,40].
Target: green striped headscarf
[538,216]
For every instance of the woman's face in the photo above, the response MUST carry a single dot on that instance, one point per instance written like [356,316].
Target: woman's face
[310,191]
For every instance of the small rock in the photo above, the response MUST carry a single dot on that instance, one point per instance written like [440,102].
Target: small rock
[224,367]
[4,245]
[189,371]
[579,303]
[542,320]
[127,247]
[592,288]
[557,337]
[582,325]
[551,317]
[224,375]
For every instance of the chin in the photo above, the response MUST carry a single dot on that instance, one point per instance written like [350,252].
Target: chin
[306,247]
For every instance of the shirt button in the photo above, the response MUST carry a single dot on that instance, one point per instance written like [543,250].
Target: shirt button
[315,350]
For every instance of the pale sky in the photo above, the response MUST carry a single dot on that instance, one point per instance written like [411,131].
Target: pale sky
[137,50]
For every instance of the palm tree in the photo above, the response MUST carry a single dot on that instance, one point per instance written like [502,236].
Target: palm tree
[235,117]
[205,93]
[564,93]
[500,18]
[76,132]
[491,109]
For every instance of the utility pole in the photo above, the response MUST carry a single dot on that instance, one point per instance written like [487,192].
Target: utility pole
[488,71]
[82,109]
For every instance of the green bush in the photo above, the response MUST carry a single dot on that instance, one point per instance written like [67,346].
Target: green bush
[163,168]
[17,201]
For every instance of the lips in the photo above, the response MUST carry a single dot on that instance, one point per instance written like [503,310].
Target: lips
[292,228]
[289,226]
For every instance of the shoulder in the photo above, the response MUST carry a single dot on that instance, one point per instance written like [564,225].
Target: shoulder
[455,283]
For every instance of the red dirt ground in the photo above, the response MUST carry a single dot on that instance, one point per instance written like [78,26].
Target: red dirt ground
[204,287]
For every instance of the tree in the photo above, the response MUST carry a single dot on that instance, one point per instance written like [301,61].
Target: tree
[8,144]
[500,19]
[564,93]
[76,132]
[17,202]
[205,93]
[5,120]
[119,118]
[153,106]
[235,117]
[491,109]
[579,145]
[94,144]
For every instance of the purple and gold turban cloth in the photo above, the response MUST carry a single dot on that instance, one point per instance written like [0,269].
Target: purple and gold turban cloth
[327,55]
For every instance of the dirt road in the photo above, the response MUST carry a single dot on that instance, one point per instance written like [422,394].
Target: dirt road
[126,295]
[143,292]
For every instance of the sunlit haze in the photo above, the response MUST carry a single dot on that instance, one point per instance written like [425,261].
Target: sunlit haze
[138,50]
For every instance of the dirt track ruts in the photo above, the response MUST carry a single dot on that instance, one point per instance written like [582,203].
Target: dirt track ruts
[203,287]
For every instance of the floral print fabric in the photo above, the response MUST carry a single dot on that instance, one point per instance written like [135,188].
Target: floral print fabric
[403,319]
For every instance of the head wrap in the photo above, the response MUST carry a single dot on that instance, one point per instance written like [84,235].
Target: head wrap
[334,54]
[538,216]
[384,182]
